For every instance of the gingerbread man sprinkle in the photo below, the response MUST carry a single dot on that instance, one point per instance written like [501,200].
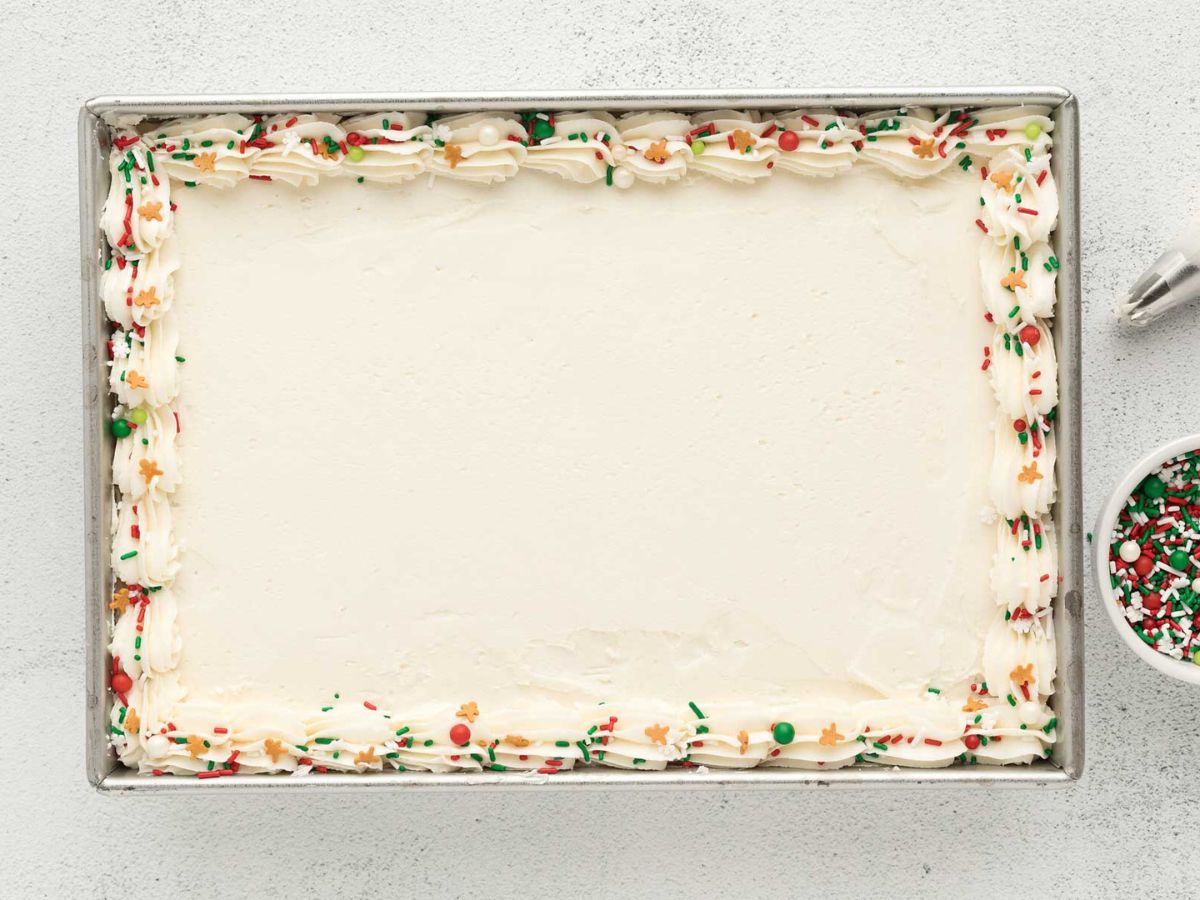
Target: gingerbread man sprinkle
[657,152]
[151,211]
[148,469]
[1013,279]
[657,733]
[1029,474]
[829,736]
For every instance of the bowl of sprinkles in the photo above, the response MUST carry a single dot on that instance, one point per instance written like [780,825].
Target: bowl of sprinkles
[1148,559]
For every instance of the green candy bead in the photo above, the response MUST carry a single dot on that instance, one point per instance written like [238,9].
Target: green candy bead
[697,147]
[1179,560]
[138,416]
[783,732]
[1032,131]
[355,154]
[542,130]
[1153,488]
[120,428]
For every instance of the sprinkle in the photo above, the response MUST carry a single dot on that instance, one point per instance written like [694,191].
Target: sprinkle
[695,709]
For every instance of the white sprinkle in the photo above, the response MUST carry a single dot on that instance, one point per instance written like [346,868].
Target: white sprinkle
[1130,551]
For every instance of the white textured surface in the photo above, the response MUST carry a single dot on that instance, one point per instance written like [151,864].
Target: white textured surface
[1133,66]
[596,484]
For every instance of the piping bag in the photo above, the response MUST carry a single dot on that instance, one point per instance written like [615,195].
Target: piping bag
[1173,280]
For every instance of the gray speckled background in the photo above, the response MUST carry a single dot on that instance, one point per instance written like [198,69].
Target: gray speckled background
[1133,65]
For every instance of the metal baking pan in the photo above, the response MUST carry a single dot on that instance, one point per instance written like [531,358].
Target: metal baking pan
[106,773]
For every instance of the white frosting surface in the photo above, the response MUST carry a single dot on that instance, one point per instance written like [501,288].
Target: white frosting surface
[515,446]
[580,457]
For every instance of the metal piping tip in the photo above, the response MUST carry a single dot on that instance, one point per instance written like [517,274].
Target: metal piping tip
[1173,280]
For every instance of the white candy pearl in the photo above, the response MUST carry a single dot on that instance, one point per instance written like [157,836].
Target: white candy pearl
[619,152]
[1196,585]
[488,135]
[1130,551]
[1029,712]
[623,178]
[157,746]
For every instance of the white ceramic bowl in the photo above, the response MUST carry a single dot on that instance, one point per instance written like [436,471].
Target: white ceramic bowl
[1101,537]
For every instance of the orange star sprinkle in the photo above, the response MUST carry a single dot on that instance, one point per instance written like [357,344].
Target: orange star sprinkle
[1022,674]
[515,740]
[195,746]
[134,380]
[132,722]
[468,711]
[151,210]
[1003,180]
[1013,279]
[120,600]
[454,154]
[744,740]
[147,298]
[742,140]
[657,733]
[274,749]
[829,736]
[206,162]
[657,152]
[974,705]
[1029,474]
[148,469]
[924,149]
[367,756]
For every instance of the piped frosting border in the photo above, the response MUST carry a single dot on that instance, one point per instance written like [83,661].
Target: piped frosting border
[1003,718]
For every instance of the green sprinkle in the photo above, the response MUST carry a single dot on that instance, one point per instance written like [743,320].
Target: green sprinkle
[428,743]
[130,555]
[701,729]
[1012,701]
[637,761]
[327,740]
[696,710]
[608,176]
[879,745]
[180,359]
[498,767]
[934,690]
[584,750]
[1050,725]
[401,731]
[326,708]
[562,743]
[1012,312]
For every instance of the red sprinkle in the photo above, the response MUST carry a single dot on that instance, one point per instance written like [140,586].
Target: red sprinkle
[978,222]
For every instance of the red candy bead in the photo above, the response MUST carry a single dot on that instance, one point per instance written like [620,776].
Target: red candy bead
[789,141]
[121,683]
[1143,565]
[972,741]
[1152,602]
[1030,335]
[460,734]
[1019,425]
